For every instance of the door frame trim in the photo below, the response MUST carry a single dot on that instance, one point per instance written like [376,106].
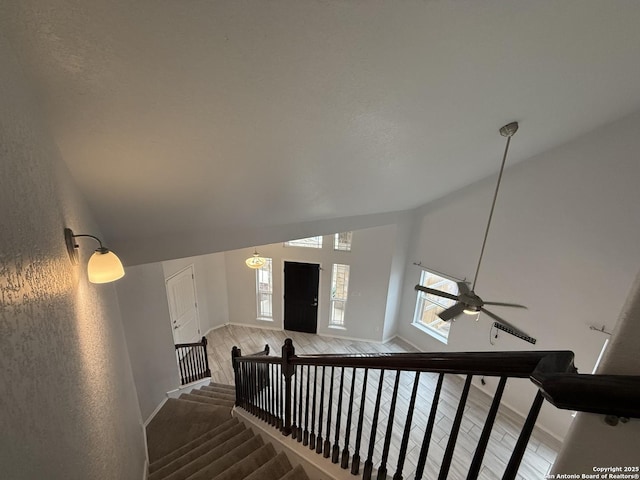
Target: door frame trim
[320,270]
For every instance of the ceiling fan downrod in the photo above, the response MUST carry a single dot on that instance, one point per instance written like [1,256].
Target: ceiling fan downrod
[508,131]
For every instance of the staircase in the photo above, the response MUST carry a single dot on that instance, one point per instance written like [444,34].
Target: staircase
[195,437]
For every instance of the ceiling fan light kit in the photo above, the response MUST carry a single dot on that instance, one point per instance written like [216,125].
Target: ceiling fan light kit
[467,301]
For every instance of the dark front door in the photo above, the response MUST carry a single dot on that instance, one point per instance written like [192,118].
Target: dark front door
[301,296]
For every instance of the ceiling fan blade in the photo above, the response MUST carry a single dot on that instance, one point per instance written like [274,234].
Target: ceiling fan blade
[438,293]
[452,312]
[463,287]
[500,304]
[502,321]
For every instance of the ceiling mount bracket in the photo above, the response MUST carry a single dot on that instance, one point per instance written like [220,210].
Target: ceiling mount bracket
[509,130]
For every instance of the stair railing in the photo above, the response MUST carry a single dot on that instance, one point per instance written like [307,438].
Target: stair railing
[193,361]
[305,396]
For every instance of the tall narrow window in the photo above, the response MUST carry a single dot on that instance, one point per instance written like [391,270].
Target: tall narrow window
[429,306]
[342,241]
[264,291]
[310,242]
[339,292]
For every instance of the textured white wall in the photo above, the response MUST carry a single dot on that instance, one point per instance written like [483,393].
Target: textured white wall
[591,442]
[370,261]
[145,317]
[68,407]
[565,241]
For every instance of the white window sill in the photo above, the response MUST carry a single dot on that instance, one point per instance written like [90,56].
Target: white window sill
[264,319]
[431,333]
[337,327]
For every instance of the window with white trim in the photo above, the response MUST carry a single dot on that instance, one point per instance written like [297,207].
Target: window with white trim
[310,242]
[264,291]
[429,306]
[342,241]
[339,293]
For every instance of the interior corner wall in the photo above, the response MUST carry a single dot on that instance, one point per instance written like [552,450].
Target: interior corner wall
[211,287]
[591,442]
[145,315]
[370,266]
[396,277]
[565,241]
[68,407]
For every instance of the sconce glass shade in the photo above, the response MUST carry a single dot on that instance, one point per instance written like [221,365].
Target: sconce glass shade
[255,261]
[104,266]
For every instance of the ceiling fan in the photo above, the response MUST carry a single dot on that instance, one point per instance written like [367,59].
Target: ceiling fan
[467,301]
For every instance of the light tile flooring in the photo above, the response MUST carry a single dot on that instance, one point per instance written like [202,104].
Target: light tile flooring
[541,450]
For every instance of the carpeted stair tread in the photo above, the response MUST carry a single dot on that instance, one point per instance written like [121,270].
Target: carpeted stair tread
[193,444]
[218,396]
[220,391]
[274,469]
[180,421]
[231,388]
[208,400]
[224,451]
[249,464]
[234,457]
[204,449]
[297,473]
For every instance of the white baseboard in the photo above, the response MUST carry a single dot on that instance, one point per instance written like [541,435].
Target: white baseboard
[316,466]
[187,388]
[153,414]
[214,328]
[406,341]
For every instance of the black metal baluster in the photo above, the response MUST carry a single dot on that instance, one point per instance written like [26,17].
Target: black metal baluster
[327,441]
[312,437]
[192,367]
[382,470]
[305,436]
[300,410]
[279,390]
[335,455]
[368,464]
[407,429]
[453,436]
[424,449]
[476,463]
[355,462]
[521,445]
[347,432]
[294,417]
[321,411]
[270,389]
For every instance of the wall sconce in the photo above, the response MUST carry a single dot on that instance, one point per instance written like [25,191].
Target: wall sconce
[104,266]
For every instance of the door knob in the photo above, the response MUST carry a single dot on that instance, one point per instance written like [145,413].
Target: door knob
[314,304]
[176,327]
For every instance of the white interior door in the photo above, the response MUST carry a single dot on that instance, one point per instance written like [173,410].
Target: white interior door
[183,306]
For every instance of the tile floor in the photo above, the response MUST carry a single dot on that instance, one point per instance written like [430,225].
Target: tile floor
[541,450]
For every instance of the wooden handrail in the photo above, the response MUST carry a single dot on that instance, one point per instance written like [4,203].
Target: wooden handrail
[617,395]
[278,390]
[510,364]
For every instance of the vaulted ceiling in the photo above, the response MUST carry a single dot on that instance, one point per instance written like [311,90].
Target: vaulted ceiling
[181,119]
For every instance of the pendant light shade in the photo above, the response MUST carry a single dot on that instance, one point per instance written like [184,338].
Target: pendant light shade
[104,267]
[255,261]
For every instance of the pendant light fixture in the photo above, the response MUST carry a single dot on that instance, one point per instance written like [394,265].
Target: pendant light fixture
[255,261]
[104,266]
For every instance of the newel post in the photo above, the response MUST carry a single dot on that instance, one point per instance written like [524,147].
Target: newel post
[288,351]
[207,371]
[235,353]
